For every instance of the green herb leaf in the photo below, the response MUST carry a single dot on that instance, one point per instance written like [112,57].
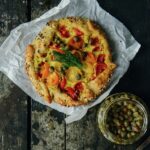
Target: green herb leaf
[68,59]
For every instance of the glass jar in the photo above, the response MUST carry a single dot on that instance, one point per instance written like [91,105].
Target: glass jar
[107,105]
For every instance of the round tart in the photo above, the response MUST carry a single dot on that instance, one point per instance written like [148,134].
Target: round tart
[69,61]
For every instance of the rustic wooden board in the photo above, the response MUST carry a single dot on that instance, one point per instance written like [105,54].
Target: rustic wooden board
[48,126]
[13,102]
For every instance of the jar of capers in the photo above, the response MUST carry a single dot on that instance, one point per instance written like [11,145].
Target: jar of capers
[123,118]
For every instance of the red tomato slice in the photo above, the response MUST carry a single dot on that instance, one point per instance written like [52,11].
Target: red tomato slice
[63,83]
[79,86]
[97,48]
[78,32]
[94,41]
[101,58]
[39,75]
[100,67]
[76,44]
[64,32]
[71,92]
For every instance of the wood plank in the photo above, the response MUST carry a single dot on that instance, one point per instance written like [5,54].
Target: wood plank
[48,126]
[39,7]
[82,134]
[13,103]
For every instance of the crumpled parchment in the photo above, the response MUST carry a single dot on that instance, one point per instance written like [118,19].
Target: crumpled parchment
[124,48]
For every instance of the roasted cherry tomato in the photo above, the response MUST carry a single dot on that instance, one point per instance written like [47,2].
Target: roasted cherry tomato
[94,41]
[64,32]
[41,64]
[101,58]
[97,48]
[100,67]
[63,83]
[78,32]
[71,92]
[79,86]
[39,75]
[53,79]
[76,42]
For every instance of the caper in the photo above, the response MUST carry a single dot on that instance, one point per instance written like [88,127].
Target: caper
[130,118]
[129,135]
[116,121]
[63,69]
[76,38]
[129,106]
[123,134]
[62,44]
[119,131]
[129,112]
[136,114]
[119,103]
[55,39]
[125,109]
[78,76]
[134,109]
[133,133]
[125,103]
[84,54]
[86,44]
[51,68]
[139,123]
[126,123]
[139,118]
[126,116]
[129,128]
[133,123]
[123,129]
[58,41]
[136,129]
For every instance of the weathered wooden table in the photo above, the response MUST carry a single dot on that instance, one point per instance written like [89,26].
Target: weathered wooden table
[20,116]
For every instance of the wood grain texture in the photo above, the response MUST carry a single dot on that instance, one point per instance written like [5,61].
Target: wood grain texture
[13,104]
[48,126]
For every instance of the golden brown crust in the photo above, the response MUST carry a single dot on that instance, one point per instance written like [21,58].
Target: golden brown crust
[91,87]
[39,85]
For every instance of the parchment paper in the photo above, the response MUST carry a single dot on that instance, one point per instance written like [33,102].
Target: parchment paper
[124,48]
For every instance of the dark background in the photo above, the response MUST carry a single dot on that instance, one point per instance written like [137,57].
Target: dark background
[20,116]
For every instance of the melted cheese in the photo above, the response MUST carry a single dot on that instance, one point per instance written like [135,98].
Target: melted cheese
[72,74]
[87,72]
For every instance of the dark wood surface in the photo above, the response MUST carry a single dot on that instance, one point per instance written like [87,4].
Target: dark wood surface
[49,131]
[13,102]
